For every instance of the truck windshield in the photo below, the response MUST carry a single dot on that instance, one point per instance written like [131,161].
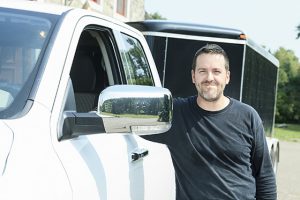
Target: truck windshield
[23,36]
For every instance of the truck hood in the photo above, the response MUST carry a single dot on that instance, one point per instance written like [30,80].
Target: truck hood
[6,141]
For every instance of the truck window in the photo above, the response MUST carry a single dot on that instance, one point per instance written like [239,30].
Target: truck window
[91,70]
[23,38]
[134,61]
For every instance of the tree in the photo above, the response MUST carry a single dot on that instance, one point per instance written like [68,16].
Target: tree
[288,97]
[155,15]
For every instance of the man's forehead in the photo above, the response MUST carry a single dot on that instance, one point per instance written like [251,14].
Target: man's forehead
[210,63]
[211,55]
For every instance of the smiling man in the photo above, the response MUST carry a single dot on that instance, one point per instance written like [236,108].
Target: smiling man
[211,74]
[217,143]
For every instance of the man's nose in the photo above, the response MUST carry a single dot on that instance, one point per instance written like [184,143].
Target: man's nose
[210,76]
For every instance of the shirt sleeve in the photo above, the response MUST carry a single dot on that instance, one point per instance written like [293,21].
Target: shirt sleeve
[262,166]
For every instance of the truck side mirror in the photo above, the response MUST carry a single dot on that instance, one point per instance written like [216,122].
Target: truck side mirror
[134,109]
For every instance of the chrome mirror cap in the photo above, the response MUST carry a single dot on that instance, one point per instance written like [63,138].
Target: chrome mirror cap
[135,109]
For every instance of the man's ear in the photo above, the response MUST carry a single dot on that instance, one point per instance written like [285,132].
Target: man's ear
[227,77]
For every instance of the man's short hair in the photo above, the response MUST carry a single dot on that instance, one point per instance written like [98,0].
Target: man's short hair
[211,49]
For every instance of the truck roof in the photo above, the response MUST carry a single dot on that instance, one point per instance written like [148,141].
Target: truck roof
[194,29]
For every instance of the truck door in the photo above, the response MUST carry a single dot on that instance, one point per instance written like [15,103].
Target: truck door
[103,166]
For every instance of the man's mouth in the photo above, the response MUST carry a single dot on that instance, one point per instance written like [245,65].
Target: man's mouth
[209,84]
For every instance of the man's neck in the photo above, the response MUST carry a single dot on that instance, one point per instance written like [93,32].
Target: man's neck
[217,105]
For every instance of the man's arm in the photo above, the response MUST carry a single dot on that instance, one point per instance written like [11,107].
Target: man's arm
[262,166]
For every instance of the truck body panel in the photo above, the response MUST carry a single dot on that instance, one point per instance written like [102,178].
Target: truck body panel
[59,106]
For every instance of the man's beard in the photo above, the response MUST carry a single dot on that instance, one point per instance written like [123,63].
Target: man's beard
[209,95]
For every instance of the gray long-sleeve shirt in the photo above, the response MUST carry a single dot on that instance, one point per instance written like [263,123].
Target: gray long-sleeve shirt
[219,155]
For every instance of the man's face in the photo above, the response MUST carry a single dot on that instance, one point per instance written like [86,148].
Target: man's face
[210,76]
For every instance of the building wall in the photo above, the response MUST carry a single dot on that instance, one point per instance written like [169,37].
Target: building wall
[108,7]
[135,9]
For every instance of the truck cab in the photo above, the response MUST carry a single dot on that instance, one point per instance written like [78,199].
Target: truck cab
[77,90]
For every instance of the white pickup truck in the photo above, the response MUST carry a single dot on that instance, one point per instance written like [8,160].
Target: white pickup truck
[76,91]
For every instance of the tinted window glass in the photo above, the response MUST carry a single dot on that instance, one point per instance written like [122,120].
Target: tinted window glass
[91,70]
[23,35]
[135,63]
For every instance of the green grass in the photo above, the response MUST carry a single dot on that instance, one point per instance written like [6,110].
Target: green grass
[289,133]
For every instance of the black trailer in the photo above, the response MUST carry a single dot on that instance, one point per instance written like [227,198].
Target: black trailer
[253,70]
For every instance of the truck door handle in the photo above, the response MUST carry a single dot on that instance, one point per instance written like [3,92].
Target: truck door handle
[138,154]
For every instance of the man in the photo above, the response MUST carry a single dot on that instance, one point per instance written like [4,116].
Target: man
[217,143]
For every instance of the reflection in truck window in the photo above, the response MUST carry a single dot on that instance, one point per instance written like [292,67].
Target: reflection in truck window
[135,63]
[22,38]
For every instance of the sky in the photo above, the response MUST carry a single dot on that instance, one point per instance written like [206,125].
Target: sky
[271,23]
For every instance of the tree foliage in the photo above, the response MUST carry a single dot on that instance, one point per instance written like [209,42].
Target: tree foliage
[288,94]
[155,15]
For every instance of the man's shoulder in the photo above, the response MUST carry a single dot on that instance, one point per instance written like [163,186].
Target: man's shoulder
[184,104]
[184,100]
[243,107]
[240,104]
